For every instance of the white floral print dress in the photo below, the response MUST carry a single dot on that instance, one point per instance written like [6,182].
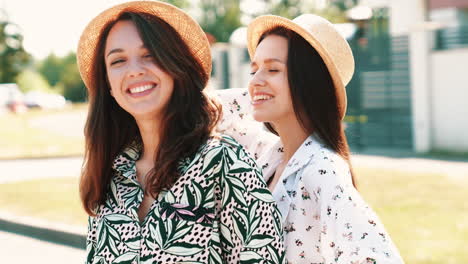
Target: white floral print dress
[325,219]
[218,211]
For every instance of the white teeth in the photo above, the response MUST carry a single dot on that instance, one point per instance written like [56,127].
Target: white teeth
[262,97]
[140,89]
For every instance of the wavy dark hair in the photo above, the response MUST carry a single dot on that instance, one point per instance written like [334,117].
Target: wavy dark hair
[313,93]
[188,120]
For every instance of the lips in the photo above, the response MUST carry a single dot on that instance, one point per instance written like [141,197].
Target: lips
[259,98]
[141,89]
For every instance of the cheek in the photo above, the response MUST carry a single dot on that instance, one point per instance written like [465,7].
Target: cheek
[249,89]
[285,92]
[114,79]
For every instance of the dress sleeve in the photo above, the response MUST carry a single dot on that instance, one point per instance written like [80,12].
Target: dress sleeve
[90,240]
[250,223]
[350,230]
[238,123]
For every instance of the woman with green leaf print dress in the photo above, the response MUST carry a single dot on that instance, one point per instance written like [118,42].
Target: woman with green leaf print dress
[158,184]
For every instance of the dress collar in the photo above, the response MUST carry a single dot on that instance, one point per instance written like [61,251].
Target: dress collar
[125,162]
[287,186]
[303,155]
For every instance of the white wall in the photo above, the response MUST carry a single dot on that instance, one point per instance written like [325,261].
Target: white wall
[405,15]
[449,99]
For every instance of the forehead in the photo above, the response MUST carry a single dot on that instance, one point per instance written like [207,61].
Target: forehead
[123,34]
[272,47]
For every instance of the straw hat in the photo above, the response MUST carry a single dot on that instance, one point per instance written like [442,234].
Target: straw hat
[321,35]
[186,26]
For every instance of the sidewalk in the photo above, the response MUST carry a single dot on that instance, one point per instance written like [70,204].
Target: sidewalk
[59,233]
[452,169]
[25,250]
[29,169]
[75,236]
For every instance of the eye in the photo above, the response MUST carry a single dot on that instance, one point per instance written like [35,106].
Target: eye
[253,70]
[117,61]
[148,56]
[273,70]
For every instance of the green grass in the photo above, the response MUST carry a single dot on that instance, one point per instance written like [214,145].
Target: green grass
[42,133]
[425,214]
[446,155]
[56,200]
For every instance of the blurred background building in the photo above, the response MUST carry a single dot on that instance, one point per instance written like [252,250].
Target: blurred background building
[410,83]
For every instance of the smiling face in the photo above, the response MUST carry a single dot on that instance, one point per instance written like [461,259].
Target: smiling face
[269,87]
[137,83]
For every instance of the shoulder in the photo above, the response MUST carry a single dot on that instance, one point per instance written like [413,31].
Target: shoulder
[230,95]
[326,170]
[224,148]
[218,150]
[235,102]
[225,151]
[217,141]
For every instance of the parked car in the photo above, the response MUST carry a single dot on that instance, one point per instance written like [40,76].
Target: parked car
[44,100]
[12,98]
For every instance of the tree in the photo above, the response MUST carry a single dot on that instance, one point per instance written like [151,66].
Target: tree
[179,3]
[344,5]
[73,87]
[287,8]
[30,80]
[220,17]
[13,57]
[62,73]
[51,68]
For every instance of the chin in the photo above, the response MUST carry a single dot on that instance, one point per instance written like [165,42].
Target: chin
[143,112]
[262,117]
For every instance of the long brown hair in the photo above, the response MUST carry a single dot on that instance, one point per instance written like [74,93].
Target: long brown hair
[188,120]
[313,93]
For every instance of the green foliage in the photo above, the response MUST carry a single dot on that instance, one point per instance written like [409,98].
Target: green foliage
[220,17]
[344,5]
[51,69]
[63,72]
[13,57]
[287,8]
[73,86]
[30,80]
[335,11]
[179,3]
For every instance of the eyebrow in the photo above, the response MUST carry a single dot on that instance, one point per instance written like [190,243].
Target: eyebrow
[114,51]
[121,50]
[270,60]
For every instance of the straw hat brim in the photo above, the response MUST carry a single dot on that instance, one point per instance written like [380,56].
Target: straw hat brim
[262,24]
[189,30]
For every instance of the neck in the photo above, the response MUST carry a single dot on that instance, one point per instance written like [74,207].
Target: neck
[292,135]
[150,135]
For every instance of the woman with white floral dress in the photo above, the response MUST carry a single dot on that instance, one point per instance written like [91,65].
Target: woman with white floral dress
[158,184]
[299,72]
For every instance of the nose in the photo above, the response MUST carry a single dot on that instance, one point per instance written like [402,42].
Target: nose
[135,68]
[257,79]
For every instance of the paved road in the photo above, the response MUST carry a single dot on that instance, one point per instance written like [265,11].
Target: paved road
[24,250]
[26,169]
